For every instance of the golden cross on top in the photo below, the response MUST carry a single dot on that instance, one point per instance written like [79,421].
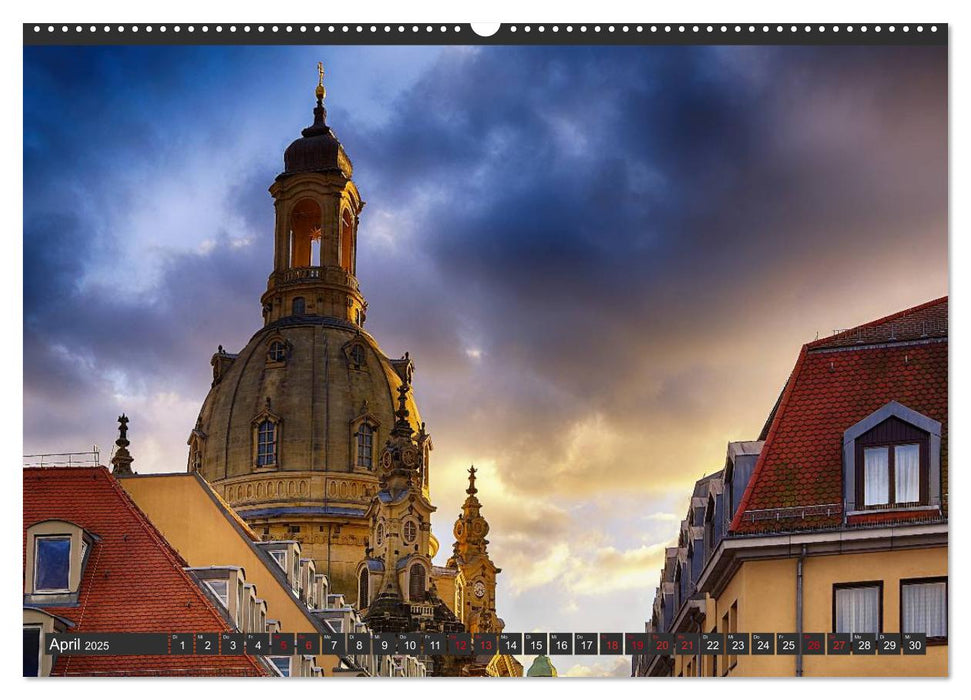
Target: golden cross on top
[321,92]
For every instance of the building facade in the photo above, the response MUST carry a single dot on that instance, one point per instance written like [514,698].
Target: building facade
[290,431]
[94,563]
[835,520]
[312,435]
[262,584]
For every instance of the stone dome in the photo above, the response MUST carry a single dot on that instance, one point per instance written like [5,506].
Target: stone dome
[318,377]
[317,150]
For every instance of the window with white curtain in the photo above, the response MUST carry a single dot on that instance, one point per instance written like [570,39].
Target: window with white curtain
[923,608]
[907,473]
[857,608]
[876,476]
[891,474]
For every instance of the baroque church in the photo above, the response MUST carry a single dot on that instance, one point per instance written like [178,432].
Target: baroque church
[312,433]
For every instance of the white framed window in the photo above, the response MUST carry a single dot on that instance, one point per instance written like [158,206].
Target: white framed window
[923,608]
[280,557]
[858,607]
[282,663]
[907,473]
[876,476]
[220,588]
[892,460]
[891,474]
[240,605]
[52,563]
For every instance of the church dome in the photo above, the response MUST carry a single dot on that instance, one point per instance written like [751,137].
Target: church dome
[317,150]
[317,379]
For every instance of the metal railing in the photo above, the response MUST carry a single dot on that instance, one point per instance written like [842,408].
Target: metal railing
[64,459]
[813,511]
[900,330]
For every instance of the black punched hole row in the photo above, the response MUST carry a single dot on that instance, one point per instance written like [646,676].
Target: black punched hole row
[351,33]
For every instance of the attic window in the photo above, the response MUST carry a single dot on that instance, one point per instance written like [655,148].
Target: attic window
[892,460]
[891,474]
[892,466]
[280,557]
[52,564]
[220,587]
[56,553]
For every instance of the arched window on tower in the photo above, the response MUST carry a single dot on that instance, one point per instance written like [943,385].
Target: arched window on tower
[347,242]
[305,234]
[365,445]
[416,583]
[362,589]
[266,444]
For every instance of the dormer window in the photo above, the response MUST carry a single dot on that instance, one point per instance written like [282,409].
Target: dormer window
[892,461]
[280,557]
[220,587]
[891,475]
[56,553]
[52,564]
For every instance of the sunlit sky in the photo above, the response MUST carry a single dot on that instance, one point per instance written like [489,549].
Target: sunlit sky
[603,261]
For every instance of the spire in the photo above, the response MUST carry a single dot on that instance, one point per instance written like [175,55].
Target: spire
[121,462]
[402,427]
[320,113]
[472,490]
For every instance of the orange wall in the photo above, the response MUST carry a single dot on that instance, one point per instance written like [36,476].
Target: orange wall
[180,507]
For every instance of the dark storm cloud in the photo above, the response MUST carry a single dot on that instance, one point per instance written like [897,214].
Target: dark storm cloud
[556,234]
[603,260]
[597,213]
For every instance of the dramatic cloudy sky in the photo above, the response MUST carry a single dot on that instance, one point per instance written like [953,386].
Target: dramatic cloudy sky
[603,260]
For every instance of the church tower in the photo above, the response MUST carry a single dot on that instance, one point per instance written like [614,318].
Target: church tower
[396,591]
[290,431]
[318,211]
[475,585]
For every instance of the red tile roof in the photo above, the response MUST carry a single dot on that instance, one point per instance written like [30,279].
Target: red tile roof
[133,581]
[837,382]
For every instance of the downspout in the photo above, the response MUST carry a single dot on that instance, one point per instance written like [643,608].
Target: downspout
[799,562]
[700,622]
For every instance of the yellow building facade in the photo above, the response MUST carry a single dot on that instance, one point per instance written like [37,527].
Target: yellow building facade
[834,521]
[207,533]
